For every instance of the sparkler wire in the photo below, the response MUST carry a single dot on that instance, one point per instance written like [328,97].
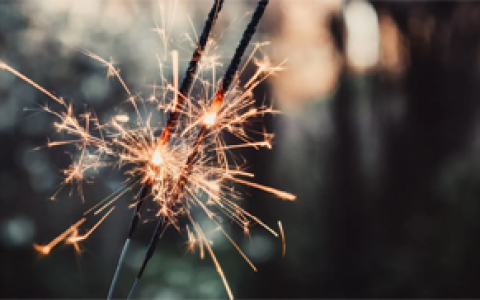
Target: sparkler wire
[165,136]
[191,69]
[149,255]
[226,82]
[161,226]
[133,225]
[185,86]
[242,46]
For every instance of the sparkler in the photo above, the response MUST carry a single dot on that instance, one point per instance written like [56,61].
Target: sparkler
[208,122]
[166,133]
[189,160]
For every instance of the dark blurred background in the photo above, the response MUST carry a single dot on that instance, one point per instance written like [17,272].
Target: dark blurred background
[379,141]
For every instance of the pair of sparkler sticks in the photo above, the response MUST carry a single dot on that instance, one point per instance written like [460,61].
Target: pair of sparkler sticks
[162,223]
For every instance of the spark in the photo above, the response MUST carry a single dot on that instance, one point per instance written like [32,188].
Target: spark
[8,68]
[219,270]
[45,249]
[238,249]
[75,238]
[282,234]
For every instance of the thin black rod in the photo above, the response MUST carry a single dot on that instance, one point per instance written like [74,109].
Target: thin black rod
[242,46]
[226,82]
[191,70]
[165,136]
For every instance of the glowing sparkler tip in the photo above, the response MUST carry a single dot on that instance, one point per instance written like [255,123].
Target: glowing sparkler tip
[210,118]
[157,158]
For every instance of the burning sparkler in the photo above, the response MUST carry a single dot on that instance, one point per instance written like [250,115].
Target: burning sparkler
[188,159]
[208,123]
[157,159]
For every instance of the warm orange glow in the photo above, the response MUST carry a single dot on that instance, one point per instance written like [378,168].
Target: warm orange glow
[394,53]
[209,119]
[157,159]
[43,250]
[305,39]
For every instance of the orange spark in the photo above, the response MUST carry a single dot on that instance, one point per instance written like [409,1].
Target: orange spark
[45,249]
[282,234]
[75,238]
[280,194]
[31,82]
